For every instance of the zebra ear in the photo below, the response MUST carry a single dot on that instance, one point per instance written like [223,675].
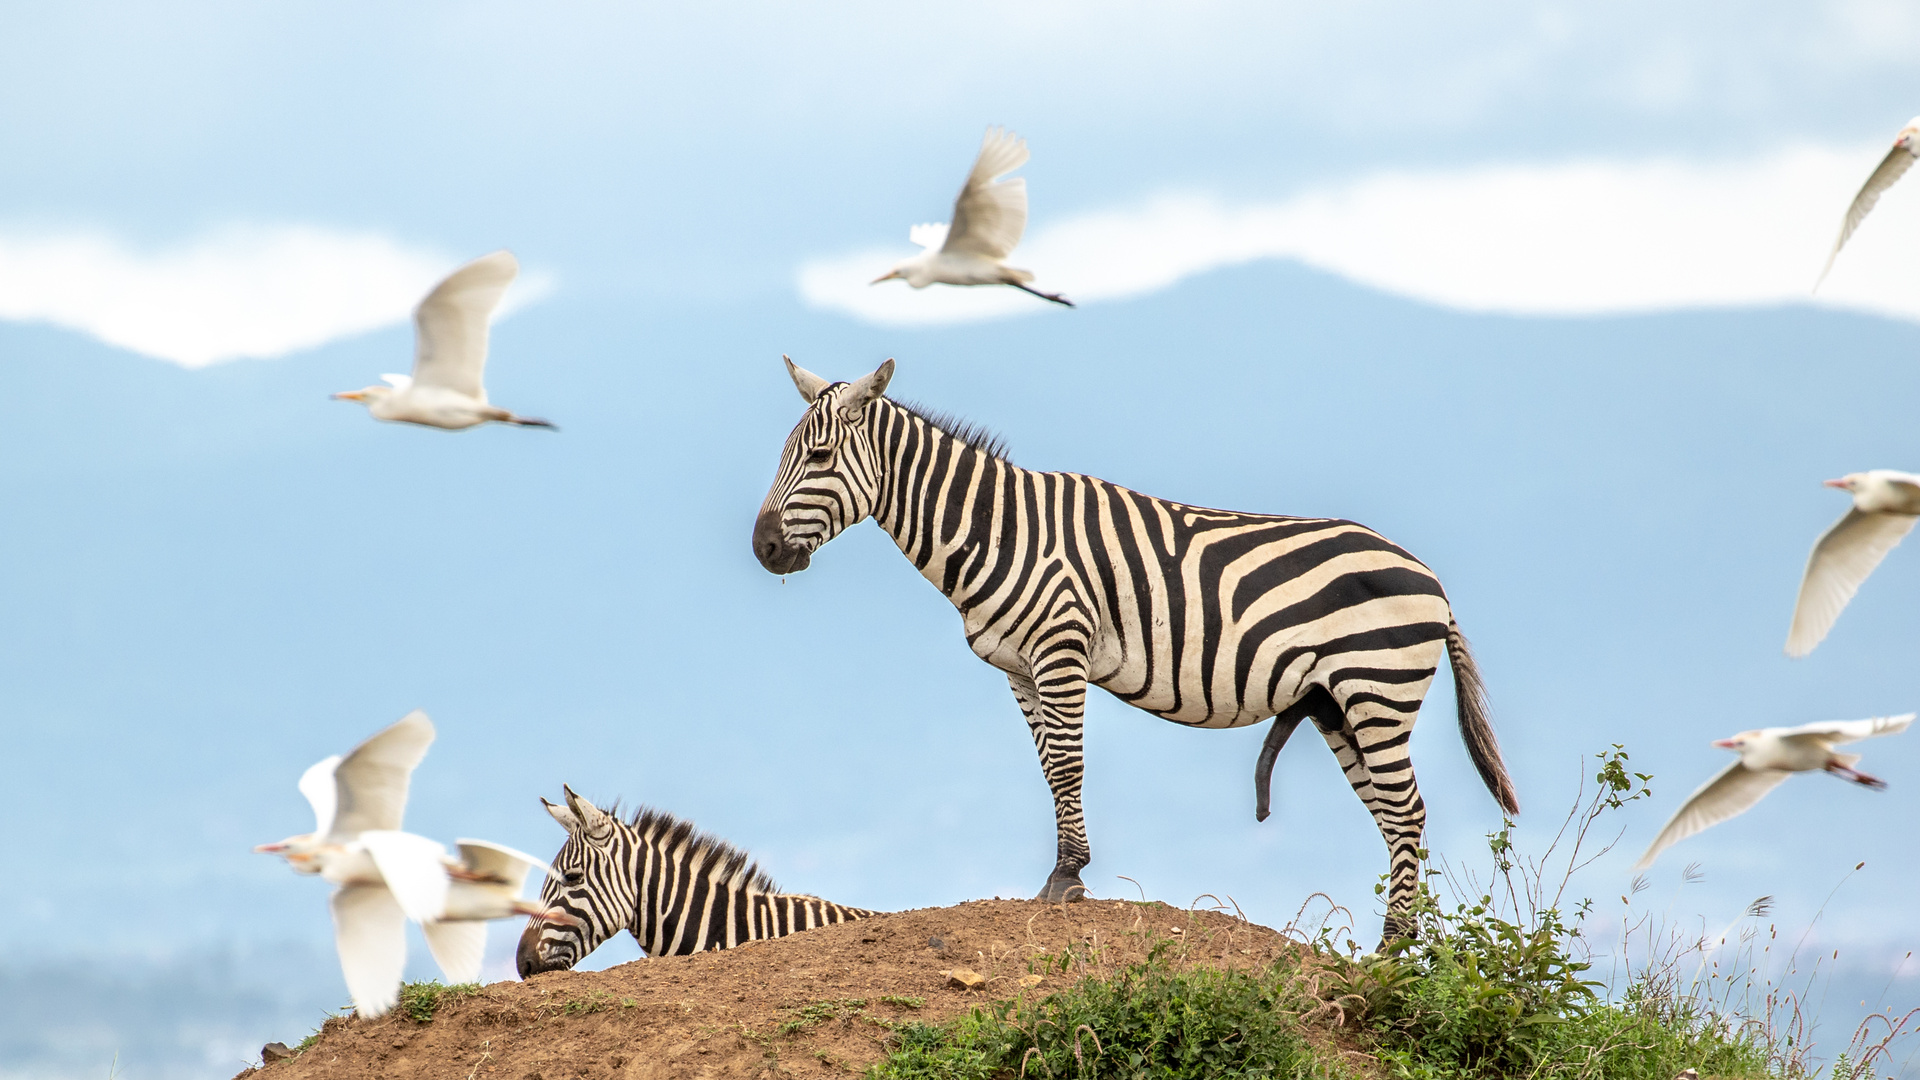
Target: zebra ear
[562,815]
[805,381]
[863,390]
[593,820]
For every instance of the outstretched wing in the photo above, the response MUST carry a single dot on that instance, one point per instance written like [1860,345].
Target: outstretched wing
[414,869]
[1840,561]
[1727,795]
[990,215]
[500,864]
[929,235]
[318,786]
[371,782]
[370,933]
[1846,731]
[1891,168]
[458,947]
[450,325]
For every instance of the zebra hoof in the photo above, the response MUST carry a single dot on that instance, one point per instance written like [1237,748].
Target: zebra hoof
[1063,889]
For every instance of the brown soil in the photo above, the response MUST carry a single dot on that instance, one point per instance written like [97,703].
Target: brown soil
[812,1005]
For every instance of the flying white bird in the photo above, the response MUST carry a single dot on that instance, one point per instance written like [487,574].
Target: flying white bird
[1906,147]
[365,791]
[1766,758]
[452,899]
[449,354]
[1885,506]
[988,219]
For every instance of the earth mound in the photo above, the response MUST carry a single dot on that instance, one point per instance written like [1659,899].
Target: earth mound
[816,1004]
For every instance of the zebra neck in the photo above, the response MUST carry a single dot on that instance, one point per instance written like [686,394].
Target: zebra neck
[939,498]
[722,916]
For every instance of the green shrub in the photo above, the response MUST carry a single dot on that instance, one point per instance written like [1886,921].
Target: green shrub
[1147,1020]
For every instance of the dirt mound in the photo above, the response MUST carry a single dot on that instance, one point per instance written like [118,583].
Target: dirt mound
[812,1005]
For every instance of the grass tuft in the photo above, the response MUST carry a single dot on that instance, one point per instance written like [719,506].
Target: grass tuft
[419,1000]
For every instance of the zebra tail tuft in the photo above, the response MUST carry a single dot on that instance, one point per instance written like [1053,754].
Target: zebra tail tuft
[1476,721]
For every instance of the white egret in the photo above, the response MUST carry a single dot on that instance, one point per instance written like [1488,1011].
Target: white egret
[988,219]
[449,354]
[365,791]
[1906,147]
[1767,757]
[1885,506]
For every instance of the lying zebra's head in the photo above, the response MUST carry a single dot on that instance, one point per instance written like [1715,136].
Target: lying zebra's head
[591,886]
[829,474]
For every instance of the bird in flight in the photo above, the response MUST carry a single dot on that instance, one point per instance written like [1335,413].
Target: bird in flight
[1906,147]
[449,354]
[1885,506]
[383,876]
[365,791]
[1767,757]
[989,218]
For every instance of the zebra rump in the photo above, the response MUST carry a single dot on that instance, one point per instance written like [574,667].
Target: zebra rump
[676,889]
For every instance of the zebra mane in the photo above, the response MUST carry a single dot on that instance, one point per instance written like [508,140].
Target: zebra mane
[668,831]
[974,435]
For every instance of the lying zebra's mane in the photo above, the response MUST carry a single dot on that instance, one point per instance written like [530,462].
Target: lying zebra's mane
[668,831]
[974,435]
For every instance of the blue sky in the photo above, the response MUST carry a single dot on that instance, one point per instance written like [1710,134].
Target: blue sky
[211,575]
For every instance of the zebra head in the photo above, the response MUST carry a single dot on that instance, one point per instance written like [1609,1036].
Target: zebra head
[590,887]
[829,474]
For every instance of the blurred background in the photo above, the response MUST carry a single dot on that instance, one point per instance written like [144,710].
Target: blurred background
[1524,286]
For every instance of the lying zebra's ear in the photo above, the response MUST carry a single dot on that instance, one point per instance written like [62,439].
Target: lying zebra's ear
[861,392]
[594,821]
[805,381]
[562,815]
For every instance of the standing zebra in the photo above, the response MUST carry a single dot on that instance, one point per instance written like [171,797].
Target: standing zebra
[1208,618]
[676,890]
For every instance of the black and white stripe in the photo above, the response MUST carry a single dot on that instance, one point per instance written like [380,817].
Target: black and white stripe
[677,890]
[1209,618]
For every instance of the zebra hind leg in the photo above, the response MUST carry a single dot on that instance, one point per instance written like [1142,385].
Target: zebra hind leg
[1382,777]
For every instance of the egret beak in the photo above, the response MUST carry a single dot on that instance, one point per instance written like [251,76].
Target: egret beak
[1726,744]
[350,395]
[1841,484]
[270,849]
[888,276]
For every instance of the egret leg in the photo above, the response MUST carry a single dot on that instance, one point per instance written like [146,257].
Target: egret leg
[1848,773]
[1055,297]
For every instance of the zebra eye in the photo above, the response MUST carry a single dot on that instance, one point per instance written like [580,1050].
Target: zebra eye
[820,455]
[576,878]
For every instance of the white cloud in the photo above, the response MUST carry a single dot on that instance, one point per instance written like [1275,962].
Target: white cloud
[1582,238]
[240,292]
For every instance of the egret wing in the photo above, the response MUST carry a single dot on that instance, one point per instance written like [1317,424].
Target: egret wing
[370,932]
[990,215]
[414,868]
[1846,731]
[1840,561]
[371,782]
[450,325]
[318,786]
[1891,168]
[929,235]
[1727,795]
[458,947]
[499,862]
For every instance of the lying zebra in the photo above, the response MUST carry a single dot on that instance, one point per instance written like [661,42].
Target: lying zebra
[678,891]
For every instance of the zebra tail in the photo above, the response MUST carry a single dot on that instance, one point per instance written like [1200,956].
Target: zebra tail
[1476,723]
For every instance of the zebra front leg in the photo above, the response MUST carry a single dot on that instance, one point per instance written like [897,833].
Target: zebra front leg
[1056,717]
